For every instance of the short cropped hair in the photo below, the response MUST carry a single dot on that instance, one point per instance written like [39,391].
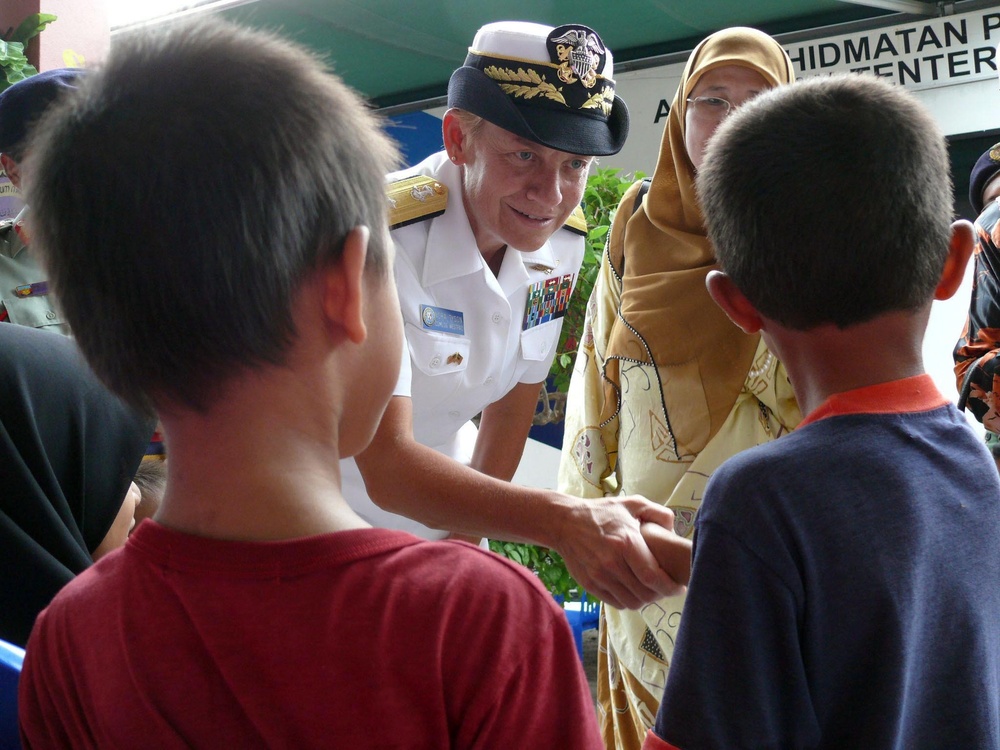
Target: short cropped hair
[184,192]
[830,201]
[472,125]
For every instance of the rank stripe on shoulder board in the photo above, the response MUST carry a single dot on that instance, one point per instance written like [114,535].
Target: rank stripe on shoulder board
[577,222]
[415,199]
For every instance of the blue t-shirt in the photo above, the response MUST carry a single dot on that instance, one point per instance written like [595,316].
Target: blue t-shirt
[845,589]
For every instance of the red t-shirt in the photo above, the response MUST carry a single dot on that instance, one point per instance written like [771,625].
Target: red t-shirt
[364,638]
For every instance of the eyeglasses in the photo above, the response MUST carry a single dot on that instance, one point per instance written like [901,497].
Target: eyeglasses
[713,106]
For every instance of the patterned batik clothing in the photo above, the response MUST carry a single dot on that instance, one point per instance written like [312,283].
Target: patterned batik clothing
[635,453]
[977,368]
[665,386]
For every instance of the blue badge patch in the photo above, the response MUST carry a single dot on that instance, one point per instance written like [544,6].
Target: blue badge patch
[442,319]
[547,300]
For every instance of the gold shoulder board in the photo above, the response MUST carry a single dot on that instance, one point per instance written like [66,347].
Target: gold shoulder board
[577,222]
[415,199]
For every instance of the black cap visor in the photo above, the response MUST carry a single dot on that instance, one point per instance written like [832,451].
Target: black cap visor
[572,131]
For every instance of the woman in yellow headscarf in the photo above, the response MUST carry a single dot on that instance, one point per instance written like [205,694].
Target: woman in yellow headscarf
[666,387]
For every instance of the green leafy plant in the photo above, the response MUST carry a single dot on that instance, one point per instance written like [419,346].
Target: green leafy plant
[601,197]
[545,563]
[605,188]
[14,65]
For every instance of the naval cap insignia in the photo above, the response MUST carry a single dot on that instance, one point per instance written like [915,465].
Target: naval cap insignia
[578,52]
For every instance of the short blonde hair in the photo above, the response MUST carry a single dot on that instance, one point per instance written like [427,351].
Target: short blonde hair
[471,124]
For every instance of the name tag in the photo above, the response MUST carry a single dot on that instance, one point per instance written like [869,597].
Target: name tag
[547,300]
[442,319]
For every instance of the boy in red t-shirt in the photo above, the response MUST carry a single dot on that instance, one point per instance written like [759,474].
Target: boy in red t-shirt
[219,198]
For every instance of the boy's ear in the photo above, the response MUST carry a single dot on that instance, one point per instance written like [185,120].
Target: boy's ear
[963,240]
[722,289]
[343,288]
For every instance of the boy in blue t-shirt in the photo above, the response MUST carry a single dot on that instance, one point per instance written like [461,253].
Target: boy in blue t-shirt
[844,588]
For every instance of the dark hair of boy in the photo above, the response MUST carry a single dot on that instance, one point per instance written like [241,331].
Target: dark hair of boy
[281,161]
[830,253]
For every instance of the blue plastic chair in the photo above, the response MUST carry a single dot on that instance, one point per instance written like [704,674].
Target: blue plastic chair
[582,615]
[11,659]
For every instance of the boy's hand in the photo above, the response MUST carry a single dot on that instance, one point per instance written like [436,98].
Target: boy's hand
[672,552]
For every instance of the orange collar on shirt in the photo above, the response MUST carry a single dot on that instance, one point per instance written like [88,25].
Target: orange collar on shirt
[914,394]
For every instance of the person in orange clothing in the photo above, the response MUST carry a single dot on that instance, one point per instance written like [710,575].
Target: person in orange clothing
[977,368]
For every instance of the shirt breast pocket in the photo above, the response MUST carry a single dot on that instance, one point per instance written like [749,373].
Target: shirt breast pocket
[539,342]
[436,353]
[35,312]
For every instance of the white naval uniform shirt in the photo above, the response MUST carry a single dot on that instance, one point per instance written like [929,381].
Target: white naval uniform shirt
[439,264]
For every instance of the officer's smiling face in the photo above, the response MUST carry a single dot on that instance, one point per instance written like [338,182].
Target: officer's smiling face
[517,192]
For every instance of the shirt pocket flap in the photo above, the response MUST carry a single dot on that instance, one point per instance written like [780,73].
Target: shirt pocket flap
[34,312]
[436,353]
[538,343]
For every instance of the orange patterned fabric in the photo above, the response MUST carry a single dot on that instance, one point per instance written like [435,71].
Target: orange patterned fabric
[977,368]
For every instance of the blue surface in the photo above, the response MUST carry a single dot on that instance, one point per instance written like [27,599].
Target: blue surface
[417,133]
[581,615]
[11,658]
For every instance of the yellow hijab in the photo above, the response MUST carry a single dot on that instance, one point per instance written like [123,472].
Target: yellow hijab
[666,317]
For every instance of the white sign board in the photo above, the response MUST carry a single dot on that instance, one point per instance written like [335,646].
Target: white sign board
[949,63]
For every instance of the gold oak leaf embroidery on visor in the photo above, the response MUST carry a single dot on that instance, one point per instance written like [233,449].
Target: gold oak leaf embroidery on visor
[524,83]
[603,100]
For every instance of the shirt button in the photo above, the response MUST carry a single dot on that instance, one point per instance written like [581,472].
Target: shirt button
[453,414]
[489,381]
[497,317]
[436,362]
[50,315]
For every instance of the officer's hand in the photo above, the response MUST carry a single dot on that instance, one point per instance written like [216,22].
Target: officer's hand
[606,553]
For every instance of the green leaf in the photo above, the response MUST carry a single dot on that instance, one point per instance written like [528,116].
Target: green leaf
[31,27]
[11,51]
[598,232]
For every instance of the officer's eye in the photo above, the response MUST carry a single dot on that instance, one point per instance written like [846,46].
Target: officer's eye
[524,155]
[579,164]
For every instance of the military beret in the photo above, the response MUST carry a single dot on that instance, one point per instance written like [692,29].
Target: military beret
[552,86]
[24,102]
[985,170]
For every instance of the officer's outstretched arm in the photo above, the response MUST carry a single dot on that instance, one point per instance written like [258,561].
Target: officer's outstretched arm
[503,430]
[599,538]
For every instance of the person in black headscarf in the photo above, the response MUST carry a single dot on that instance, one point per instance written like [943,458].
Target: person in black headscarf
[68,451]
